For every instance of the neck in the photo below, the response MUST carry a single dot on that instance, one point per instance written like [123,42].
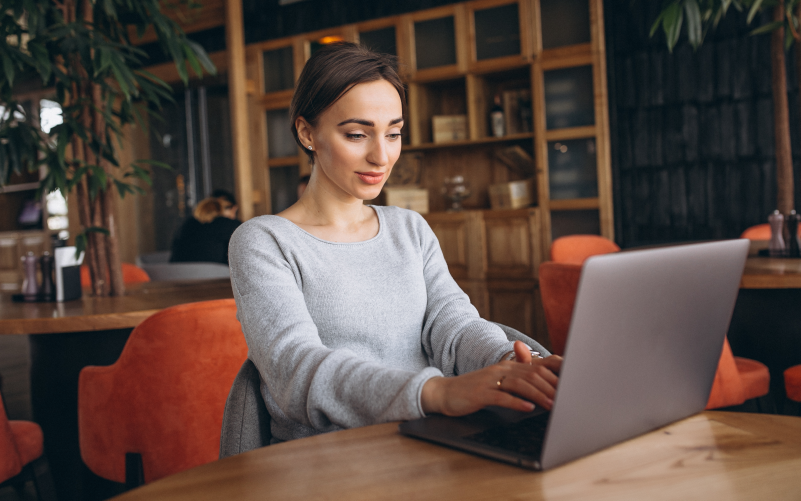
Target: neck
[323,205]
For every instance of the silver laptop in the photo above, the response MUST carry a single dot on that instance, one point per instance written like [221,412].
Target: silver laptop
[643,348]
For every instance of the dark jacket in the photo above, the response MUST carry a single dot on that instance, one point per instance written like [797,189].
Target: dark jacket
[203,242]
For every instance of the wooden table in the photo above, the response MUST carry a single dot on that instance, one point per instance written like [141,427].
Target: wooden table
[106,313]
[771,273]
[66,337]
[713,455]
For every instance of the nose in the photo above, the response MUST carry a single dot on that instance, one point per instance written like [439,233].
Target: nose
[378,154]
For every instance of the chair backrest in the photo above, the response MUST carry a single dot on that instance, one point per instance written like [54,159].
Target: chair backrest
[10,461]
[760,232]
[131,274]
[186,271]
[558,287]
[164,397]
[153,258]
[577,248]
[727,388]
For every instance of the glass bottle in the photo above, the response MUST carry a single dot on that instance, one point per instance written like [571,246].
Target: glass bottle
[497,120]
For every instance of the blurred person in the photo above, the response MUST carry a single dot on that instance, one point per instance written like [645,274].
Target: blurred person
[204,236]
[228,201]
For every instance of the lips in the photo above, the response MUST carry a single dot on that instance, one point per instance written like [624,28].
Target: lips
[371,177]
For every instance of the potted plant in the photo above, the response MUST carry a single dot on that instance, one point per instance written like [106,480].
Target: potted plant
[84,50]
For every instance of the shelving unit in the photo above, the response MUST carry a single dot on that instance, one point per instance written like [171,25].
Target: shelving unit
[455,60]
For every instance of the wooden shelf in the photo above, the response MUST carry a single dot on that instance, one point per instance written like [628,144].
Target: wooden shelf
[468,142]
[19,187]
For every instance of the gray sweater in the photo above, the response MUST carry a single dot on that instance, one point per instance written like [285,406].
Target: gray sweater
[346,334]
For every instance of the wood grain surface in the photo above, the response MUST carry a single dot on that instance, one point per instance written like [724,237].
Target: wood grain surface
[713,455]
[106,313]
[771,273]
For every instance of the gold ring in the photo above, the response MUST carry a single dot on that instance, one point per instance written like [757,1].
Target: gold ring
[501,381]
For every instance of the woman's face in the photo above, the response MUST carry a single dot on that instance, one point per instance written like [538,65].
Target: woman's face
[357,141]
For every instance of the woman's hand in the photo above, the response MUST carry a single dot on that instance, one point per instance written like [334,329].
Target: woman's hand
[512,384]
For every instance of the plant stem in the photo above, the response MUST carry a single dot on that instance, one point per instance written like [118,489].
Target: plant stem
[781,117]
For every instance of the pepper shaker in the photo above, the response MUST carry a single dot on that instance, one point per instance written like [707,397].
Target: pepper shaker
[29,288]
[776,247]
[793,248]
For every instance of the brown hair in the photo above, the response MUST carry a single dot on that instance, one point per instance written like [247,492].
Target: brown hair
[332,71]
[207,210]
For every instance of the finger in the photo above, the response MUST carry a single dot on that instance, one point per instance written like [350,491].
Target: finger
[538,392]
[554,363]
[504,399]
[522,352]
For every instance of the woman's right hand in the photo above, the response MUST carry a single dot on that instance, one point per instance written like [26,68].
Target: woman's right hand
[511,384]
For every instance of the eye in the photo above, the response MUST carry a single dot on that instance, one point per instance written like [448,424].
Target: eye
[355,135]
[395,136]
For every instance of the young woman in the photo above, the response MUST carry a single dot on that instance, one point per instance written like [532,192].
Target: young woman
[349,312]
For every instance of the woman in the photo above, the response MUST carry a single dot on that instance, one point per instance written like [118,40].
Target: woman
[205,236]
[349,311]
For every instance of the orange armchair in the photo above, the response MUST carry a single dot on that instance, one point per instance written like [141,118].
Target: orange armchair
[158,410]
[736,379]
[792,385]
[760,232]
[131,274]
[22,456]
[577,248]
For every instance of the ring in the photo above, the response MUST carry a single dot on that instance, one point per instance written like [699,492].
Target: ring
[500,381]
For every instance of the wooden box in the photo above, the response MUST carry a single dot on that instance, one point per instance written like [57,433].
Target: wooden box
[447,128]
[514,195]
[415,199]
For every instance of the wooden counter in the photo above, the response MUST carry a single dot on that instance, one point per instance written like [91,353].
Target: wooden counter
[106,313]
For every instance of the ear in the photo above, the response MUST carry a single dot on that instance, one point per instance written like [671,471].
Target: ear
[304,132]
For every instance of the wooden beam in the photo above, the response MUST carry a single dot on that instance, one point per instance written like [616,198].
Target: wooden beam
[237,95]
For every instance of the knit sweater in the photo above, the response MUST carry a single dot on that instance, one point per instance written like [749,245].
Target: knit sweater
[347,334]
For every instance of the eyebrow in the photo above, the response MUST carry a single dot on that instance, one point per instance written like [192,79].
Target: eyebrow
[367,123]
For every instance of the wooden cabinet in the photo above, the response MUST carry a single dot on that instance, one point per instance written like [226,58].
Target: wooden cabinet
[494,257]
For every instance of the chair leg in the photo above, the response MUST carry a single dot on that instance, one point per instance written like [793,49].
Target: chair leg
[134,470]
[42,479]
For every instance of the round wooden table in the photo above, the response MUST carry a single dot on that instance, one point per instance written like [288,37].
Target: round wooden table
[771,273]
[713,455]
[66,337]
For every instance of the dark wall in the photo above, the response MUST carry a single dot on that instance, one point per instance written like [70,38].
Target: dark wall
[692,132]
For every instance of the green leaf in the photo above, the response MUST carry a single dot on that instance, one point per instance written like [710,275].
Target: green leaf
[694,32]
[766,28]
[753,11]
[8,68]
[97,229]
[671,24]
[155,163]
[80,244]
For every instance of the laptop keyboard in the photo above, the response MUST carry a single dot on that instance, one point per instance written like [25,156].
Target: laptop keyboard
[524,437]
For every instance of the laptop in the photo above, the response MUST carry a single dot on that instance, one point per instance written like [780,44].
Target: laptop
[642,352]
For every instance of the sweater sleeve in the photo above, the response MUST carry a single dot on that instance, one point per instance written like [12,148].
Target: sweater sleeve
[456,339]
[310,383]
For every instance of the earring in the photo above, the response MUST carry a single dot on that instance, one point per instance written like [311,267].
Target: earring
[309,147]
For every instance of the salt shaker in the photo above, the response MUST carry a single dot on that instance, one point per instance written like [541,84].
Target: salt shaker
[793,249]
[29,288]
[776,246]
